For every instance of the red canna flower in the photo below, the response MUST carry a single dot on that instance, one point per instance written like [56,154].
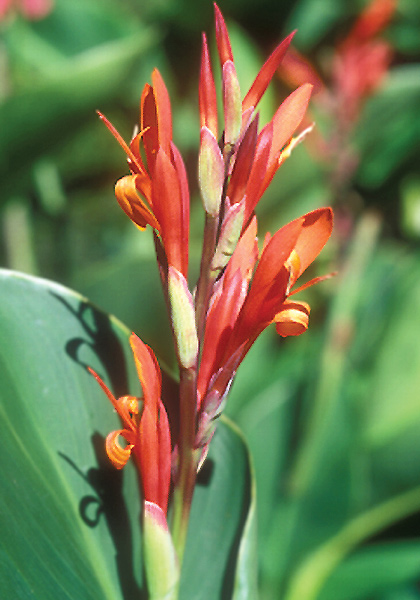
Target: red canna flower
[156,194]
[252,293]
[145,428]
[251,159]
[362,59]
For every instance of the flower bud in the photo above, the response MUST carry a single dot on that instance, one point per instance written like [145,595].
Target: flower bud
[229,236]
[160,560]
[232,103]
[183,318]
[211,171]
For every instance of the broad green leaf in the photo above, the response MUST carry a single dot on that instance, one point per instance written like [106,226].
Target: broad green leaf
[220,521]
[70,520]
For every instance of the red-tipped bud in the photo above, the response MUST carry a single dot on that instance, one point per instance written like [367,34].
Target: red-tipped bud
[222,37]
[207,92]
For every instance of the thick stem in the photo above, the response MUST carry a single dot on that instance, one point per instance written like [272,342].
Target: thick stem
[184,487]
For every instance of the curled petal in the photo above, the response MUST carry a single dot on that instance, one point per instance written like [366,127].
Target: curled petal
[128,409]
[132,204]
[292,319]
[116,453]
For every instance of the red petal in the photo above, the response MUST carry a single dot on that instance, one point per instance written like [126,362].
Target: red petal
[207,92]
[165,451]
[149,122]
[169,210]
[147,454]
[164,113]
[243,163]
[148,371]
[222,37]
[257,175]
[266,74]
[289,116]
[316,230]
[185,206]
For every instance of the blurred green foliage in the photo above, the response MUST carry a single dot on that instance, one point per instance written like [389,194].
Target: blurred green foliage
[332,418]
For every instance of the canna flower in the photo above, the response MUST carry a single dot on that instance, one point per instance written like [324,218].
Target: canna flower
[145,429]
[156,193]
[362,59]
[252,293]
[249,158]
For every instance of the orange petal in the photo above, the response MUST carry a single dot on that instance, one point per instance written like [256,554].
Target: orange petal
[163,110]
[128,409]
[316,230]
[148,371]
[293,319]
[289,116]
[116,453]
[132,204]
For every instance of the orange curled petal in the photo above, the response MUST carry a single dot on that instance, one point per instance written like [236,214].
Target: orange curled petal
[132,204]
[116,453]
[128,409]
[293,319]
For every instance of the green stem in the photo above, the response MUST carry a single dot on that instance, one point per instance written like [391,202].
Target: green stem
[206,279]
[310,578]
[184,488]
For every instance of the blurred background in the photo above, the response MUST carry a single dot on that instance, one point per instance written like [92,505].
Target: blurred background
[333,417]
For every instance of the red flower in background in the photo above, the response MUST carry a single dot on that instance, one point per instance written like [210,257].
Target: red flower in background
[362,59]
[30,9]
